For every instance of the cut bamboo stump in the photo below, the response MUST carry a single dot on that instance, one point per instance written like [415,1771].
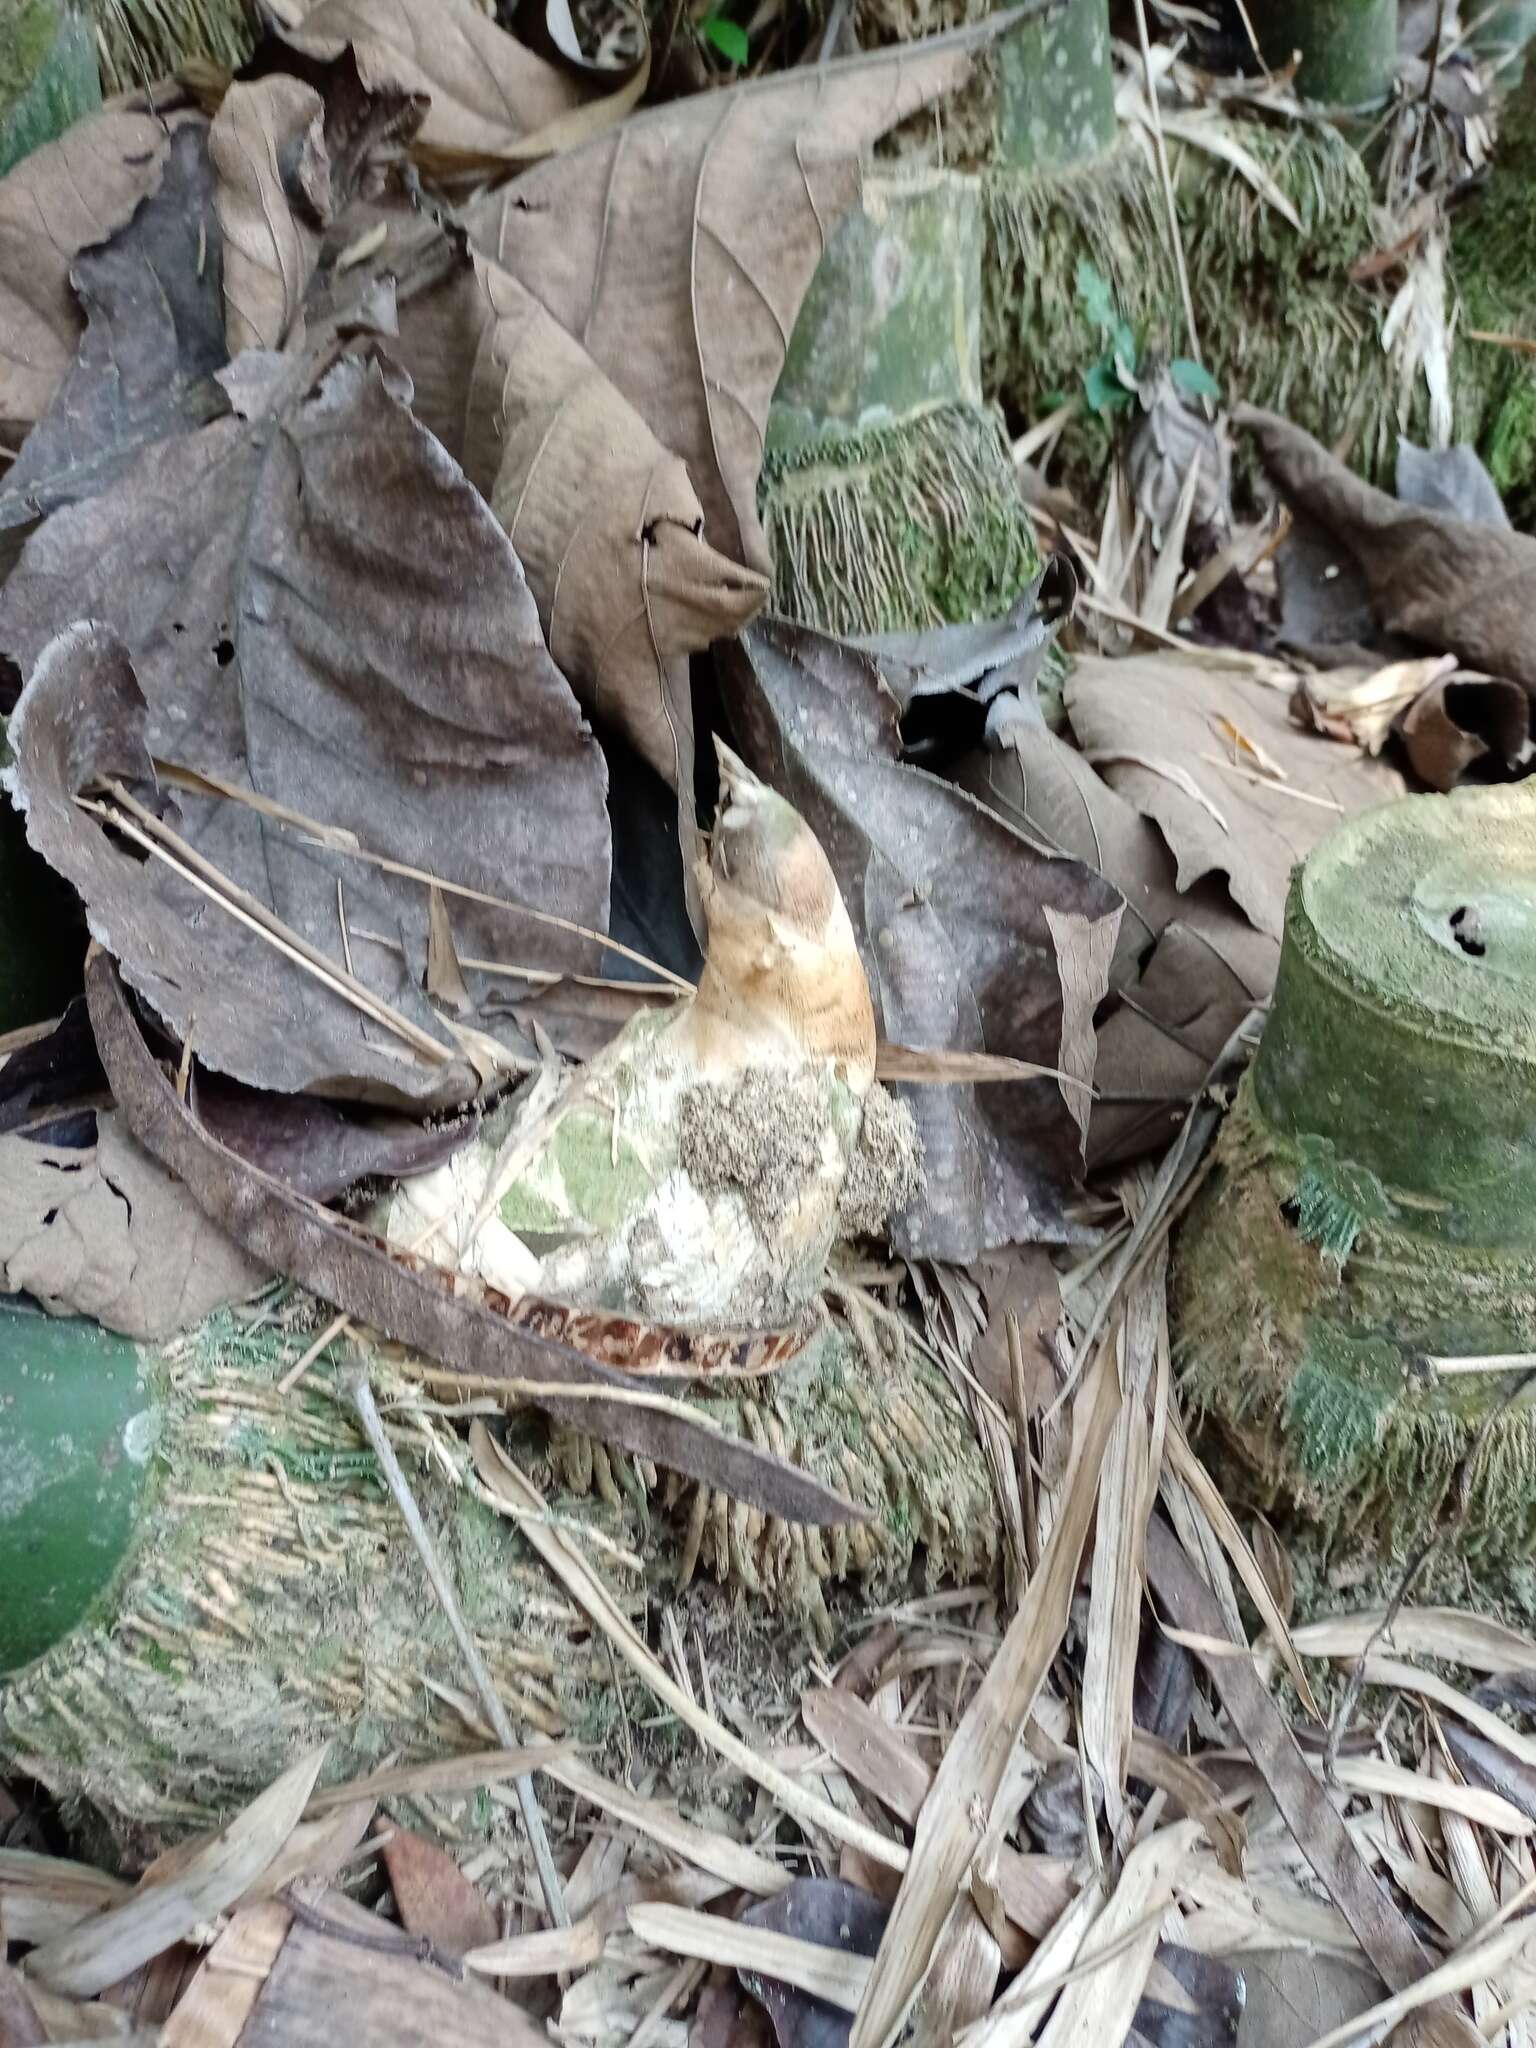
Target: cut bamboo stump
[1355,1291]
[1056,89]
[48,75]
[888,492]
[1348,47]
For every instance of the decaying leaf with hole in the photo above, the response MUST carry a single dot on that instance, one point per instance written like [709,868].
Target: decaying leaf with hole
[317,608]
[971,939]
[678,250]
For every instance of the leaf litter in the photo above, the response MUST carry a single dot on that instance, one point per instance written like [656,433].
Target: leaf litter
[342,501]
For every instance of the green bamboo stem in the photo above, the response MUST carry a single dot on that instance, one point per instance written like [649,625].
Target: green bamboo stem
[1348,47]
[1056,93]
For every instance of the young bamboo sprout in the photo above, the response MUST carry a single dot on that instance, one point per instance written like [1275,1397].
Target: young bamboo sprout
[699,1170]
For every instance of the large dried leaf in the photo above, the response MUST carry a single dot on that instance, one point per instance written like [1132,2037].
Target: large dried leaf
[106,1232]
[487,91]
[153,338]
[677,251]
[1214,760]
[972,940]
[58,201]
[433,1896]
[1459,585]
[321,610]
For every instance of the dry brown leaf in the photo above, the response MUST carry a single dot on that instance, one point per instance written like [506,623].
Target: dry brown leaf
[106,1232]
[487,90]
[433,1896]
[273,200]
[59,200]
[959,1808]
[1098,2006]
[678,250]
[607,525]
[1146,721]
[104,1949]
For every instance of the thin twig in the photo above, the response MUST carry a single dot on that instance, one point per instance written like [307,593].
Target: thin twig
[1160,146]
[527,1798]
[158,840]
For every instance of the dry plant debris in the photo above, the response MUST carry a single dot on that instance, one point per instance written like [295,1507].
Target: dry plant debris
[377,415]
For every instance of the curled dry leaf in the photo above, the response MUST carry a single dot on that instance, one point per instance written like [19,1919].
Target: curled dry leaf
[59,200]
[267,147]
[1460,585]
[106,1232]
[312,604]
[678,250]
[970,938]
[608,528]
[1362,706]
[153,339]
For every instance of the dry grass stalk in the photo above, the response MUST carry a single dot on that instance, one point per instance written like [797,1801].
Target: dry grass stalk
[1126,1496]
[485,1685]
[510,1492]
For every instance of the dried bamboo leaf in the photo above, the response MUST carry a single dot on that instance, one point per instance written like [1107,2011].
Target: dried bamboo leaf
[833,1974]
[1470,1639]
[1408,1678]
[1375,1774]
[1126,1496]
[1203,1490]
[1373,1917]
[958,1809]
[678,250]
[732,1862]
[1013,2020]
[1199,1795]
[1472,1964]
[1098,2007]
[273,200]
[448,1774]
[103,1950]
